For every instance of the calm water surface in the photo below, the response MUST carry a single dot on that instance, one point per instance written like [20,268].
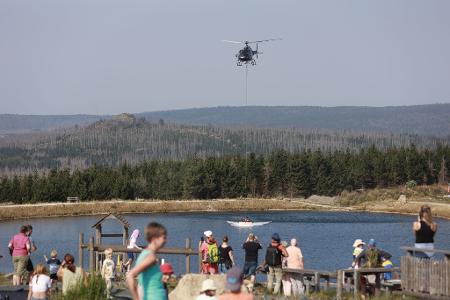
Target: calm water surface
[325,238]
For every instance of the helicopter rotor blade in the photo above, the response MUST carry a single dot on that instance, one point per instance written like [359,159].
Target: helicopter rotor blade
[233,42]
[268,40]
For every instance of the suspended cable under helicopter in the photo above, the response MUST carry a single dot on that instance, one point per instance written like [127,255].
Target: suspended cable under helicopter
[247,56]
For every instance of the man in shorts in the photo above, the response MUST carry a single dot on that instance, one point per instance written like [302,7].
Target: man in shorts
[251,248]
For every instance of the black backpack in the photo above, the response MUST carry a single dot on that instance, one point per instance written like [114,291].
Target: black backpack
[273,257]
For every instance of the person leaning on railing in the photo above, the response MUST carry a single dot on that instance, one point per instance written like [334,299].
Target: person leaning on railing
[425,229]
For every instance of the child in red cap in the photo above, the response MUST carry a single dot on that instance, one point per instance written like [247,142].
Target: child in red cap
[167,271]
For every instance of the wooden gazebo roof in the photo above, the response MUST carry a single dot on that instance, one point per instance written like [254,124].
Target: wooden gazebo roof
[121,219]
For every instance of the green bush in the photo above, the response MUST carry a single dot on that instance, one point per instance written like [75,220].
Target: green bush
[95,289]
[411,184]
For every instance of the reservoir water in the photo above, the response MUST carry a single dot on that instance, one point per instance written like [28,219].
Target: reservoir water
[325,238]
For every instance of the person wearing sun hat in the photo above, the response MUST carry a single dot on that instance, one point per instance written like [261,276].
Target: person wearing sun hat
[358,247]
[210,254]
[233,286]
[208,291]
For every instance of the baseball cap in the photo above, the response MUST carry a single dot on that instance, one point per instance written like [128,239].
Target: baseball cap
[208,233]
[276,237]
[166,269]
[234,279]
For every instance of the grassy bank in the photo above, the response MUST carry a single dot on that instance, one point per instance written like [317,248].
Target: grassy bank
[377,200]
[398,200]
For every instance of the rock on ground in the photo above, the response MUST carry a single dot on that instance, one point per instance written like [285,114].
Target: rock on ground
[188,288]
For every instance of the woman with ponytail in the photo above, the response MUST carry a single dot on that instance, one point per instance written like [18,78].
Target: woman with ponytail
[40,284]
[70,274]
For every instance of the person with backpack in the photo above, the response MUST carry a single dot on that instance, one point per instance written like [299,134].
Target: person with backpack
[274,260]
[210,254]
[372,257]
[226,256]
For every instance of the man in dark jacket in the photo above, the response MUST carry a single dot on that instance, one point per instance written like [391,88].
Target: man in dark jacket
[274,259]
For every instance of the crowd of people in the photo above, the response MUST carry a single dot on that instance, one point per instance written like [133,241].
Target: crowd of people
[147,277]
[41,280]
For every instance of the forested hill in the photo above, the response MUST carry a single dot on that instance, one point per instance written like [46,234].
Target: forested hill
[131,140]
[433,119]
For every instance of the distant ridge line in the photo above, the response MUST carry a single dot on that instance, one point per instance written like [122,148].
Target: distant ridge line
[424,119]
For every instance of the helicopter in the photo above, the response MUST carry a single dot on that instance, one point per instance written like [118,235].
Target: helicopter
[246,55]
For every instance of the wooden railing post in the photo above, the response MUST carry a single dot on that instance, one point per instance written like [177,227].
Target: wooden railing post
[316,282]
[356,285]
[340,282]
[91,255]
[80,249]
[188,257]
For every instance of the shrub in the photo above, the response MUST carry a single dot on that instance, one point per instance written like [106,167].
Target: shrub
[411,184]
[95,289]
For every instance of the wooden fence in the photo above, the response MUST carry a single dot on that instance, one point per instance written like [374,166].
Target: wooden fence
[422,276]
[94,249]
[350,279]
[313,278]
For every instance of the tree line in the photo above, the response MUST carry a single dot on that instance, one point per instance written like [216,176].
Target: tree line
[126,139]
[279,173]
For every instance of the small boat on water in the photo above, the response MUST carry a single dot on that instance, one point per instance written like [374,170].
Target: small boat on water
[246,222]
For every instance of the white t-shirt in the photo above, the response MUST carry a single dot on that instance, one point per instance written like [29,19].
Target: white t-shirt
[40,283]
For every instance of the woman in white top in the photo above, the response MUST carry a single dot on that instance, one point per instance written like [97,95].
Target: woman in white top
[40,284]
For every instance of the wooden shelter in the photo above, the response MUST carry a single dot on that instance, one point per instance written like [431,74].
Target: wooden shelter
[119,218]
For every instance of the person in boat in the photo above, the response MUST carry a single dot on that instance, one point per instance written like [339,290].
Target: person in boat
[425,229]
[274,259]
[226,256]
[251,248]
[210,254]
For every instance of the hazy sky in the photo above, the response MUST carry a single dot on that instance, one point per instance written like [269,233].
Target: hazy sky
[113,56]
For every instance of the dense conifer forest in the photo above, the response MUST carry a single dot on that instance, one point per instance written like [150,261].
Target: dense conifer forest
[279,173]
